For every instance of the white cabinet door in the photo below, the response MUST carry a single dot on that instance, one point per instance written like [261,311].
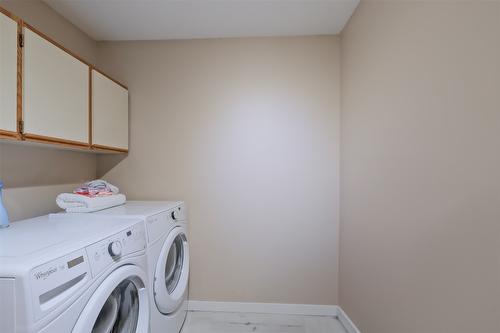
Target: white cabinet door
[8,74]
[109,113]
[56,92]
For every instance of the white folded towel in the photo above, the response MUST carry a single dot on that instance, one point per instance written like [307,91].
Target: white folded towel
[77,203]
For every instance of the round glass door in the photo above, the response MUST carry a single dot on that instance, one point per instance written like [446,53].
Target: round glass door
[174,265]
[119,305]
[120,312]
[172,272]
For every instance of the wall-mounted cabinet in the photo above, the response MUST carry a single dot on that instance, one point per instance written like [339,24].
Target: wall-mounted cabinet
[8,75]
[50,95]
[109,113]
[55,94]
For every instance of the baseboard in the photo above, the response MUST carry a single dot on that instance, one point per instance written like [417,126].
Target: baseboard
[276,308]
[271,308]
[346,321]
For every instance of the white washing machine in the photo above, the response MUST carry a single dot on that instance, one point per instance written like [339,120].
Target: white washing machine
[74,274]
[168,259]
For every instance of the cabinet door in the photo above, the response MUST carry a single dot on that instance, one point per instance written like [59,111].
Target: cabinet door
[8,74]
[109,113]
[56,92]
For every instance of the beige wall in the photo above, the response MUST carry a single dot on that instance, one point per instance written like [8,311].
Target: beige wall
[247,132]
[34,175]
[420,171]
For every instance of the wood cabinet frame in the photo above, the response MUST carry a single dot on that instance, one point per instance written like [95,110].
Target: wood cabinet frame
[3,133]
[20,135]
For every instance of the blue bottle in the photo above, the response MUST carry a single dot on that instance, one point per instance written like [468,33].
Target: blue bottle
[4,218]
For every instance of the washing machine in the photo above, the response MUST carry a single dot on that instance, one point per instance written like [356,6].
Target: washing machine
[168,259]
[74,274]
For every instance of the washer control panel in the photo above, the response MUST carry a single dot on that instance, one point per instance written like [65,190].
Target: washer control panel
[110,250]
[55,281]
[160,224]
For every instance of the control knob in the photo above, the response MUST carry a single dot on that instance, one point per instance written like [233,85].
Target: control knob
[115,248]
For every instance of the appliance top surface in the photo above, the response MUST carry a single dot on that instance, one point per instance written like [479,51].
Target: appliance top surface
[140,209]
[56,234]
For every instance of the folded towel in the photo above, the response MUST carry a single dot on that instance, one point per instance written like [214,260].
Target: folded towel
[97,187]
[76,203]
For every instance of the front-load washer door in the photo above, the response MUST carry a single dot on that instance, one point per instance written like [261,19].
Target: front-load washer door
[172,272]
[119,305]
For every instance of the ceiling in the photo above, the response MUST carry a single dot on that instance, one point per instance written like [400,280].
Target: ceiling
[106,20]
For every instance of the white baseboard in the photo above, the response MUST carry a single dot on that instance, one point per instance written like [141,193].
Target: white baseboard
[276,308]
[346,321]
[271,308]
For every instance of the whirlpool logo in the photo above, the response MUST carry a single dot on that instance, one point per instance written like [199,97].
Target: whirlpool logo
[45,274]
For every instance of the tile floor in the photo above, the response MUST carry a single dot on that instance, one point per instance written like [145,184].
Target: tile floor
[230,322]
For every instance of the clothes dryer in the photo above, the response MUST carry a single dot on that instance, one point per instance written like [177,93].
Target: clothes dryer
[168,258]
